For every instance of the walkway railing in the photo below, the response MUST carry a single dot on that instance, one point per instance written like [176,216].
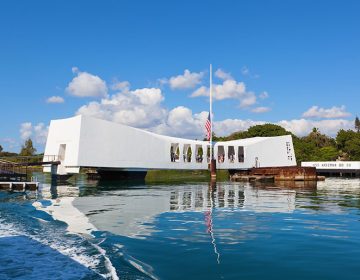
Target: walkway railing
[52,158]
[15,168]
[12,170]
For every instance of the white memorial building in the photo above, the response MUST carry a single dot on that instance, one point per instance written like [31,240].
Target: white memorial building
[83,141]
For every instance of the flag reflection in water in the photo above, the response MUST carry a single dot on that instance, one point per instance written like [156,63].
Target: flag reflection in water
[209,220]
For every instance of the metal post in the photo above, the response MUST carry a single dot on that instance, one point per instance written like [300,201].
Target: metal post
[53,173]
[212,160]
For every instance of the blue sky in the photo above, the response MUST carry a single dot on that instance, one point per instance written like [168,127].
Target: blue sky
[279,59]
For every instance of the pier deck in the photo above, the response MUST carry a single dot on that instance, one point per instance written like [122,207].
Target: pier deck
[335,168]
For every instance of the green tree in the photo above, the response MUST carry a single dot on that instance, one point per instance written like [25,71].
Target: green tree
[357,124]
[188,154]
[267,130]
[318,139]
[1,149]
[262,130]
[28,149]
[328,153]
[303,150]
[343,136]
[353,148]
[313,147]
[214,138]
[348,142]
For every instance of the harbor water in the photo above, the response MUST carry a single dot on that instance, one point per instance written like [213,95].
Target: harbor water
[226,230]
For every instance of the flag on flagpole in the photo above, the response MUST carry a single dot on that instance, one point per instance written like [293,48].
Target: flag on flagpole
[208,127]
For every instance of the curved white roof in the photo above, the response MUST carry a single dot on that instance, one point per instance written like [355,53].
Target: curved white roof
[89,142]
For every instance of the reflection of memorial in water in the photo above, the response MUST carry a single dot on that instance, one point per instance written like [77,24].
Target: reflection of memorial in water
[198,198]
[49,191]
[247,197]
[58,201]
[132,211]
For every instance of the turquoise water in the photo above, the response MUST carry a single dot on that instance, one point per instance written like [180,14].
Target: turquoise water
[94,230]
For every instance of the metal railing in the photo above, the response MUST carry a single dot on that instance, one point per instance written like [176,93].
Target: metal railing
[12,170]
[52,158]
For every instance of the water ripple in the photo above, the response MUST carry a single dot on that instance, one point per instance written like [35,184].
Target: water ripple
[203,231]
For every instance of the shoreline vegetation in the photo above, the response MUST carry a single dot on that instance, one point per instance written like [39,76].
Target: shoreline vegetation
[313,147]
[180,176]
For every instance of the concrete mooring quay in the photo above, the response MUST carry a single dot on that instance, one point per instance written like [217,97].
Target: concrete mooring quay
[335,168]
[272,174]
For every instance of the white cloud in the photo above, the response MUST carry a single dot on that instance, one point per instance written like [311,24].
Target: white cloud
[75,70]
[143,108]
[55,99]
[185,81]
[322,113]
[201,91]
[245,71]
[231,89]
[260,110]
[248,100]
[221,74]
[228,126]
[121,86]
[264,95]
[39,132]
[227,90]
[181,122]
[301,127]
[25,130]
[161,82]
[86,85]
[139,108]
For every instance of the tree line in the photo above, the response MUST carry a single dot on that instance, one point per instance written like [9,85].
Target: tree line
[27,149]
[313,147]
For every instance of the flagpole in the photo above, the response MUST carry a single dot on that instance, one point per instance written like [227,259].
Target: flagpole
[211,121]
[212,160]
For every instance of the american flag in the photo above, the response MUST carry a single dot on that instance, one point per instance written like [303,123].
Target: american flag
[208,127]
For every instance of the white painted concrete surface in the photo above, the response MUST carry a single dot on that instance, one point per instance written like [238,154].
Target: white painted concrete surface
[89,142]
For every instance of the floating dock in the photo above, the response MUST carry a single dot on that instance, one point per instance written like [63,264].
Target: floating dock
[272,174]
[19,186]
[14,175]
